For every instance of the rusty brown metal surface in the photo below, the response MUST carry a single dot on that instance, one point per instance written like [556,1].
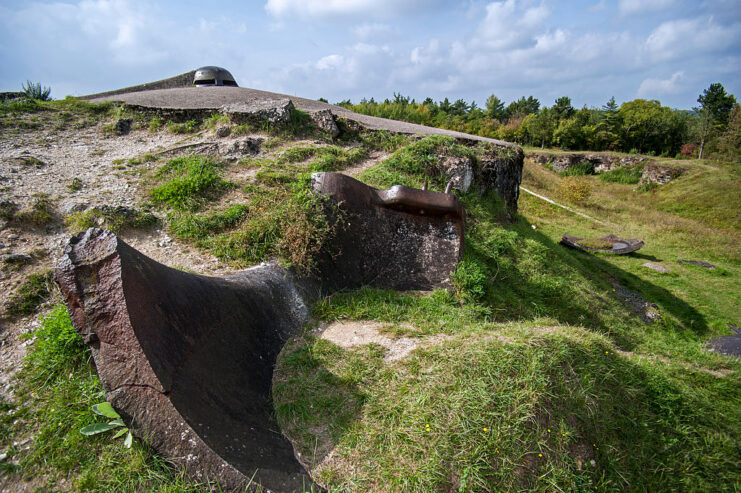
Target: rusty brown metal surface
[187,360]
[402,238]
[620,246]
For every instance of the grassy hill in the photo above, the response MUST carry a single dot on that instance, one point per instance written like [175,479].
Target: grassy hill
[538,372]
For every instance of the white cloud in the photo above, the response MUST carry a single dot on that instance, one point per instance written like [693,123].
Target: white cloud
[374,9]
[508,25]
[661,87]
[684,37]
[630,7]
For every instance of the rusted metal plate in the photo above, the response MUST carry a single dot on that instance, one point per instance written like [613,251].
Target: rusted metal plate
[606,244]
[401,238]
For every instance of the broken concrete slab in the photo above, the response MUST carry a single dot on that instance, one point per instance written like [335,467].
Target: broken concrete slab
[728,345]
[699,263]
[656,267]
[271,111]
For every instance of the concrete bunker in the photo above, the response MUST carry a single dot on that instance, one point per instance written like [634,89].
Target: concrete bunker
[188,360]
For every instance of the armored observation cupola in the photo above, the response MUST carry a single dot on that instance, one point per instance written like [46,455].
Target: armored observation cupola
[213,76]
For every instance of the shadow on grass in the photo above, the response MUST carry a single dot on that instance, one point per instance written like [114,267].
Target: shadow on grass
[533,276]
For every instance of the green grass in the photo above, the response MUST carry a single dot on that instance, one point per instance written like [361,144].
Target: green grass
[627,175]
[277,216]
[188,182]
[580,169]
[541,352]
[54,392]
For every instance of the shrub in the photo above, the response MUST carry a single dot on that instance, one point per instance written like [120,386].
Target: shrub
[688,150]
[36,92]
[575,189]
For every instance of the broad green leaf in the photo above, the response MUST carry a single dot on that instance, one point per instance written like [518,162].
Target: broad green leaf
[105,409]
[96,428]
[128,441]
[117,422]
[120,432]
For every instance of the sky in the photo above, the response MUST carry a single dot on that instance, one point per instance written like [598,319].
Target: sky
[589,50]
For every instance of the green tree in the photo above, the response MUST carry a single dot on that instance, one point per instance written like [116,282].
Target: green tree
[715,107]
[522,107]
[538,127]
[495,108]
[648,126]
[562,109]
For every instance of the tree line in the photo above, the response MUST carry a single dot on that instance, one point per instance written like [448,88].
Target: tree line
[639,126]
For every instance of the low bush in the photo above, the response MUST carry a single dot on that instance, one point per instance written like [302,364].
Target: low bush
[575,189]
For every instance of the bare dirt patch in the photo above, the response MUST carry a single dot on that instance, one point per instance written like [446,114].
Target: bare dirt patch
[349,334]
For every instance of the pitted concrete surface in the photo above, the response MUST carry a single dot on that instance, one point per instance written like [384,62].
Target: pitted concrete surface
[190,98]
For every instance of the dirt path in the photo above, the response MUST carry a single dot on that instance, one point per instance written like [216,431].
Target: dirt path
[563,206]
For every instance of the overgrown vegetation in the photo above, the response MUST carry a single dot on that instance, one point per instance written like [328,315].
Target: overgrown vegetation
[531,373]
[627,175]
[278,215]
[640,125]
[547,380]
[53,399]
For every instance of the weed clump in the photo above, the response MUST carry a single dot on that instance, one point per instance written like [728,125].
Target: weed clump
[39,213]
[33,292]
[190,181]
[8,210]
[189,127]
[35,92]
[117,219]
